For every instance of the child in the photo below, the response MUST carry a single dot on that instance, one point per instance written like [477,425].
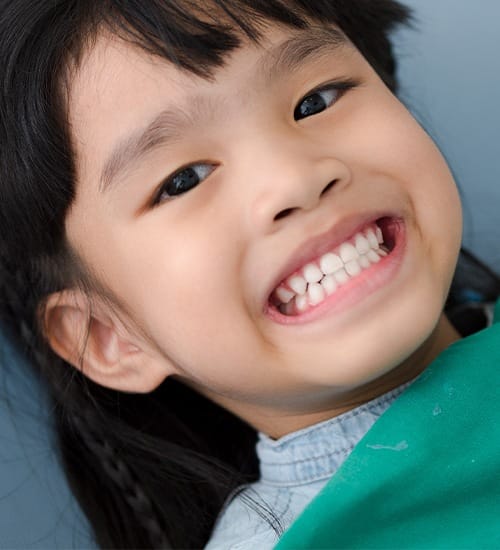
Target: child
[221,216]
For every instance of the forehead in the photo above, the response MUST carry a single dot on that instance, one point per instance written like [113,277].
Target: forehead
[121,97]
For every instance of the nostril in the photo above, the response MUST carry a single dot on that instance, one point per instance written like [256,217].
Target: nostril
[287,211]
[328,187]
[283,213]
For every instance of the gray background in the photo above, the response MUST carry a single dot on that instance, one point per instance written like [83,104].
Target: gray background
[450,73]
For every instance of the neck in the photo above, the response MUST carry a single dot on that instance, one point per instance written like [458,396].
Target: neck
[277,424]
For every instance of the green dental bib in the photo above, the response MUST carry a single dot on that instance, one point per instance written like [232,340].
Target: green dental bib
[427,474]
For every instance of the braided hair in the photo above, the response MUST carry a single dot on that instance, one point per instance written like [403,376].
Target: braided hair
[150,471]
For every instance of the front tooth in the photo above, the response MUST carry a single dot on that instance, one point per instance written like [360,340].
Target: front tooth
[347,252]
[361,243]
[298,284]
[329,284]
[372,238]
[301,302]
[353,268]
[284,295]
[373,257]
[341,276]
[315,293]
[330,262]
[312,273]
[379,235]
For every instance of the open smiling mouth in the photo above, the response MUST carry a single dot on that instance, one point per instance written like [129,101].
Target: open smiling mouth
[338,270]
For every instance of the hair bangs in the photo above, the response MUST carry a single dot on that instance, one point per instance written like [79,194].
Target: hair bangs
[197,36]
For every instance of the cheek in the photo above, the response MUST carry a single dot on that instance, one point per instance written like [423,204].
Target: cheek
[433,192]
[182,288]
[383,143]
[178,276]
[390,143]
[388,138]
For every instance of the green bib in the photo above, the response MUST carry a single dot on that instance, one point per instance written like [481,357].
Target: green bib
[427,474]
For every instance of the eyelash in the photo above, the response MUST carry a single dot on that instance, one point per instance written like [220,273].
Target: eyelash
[338,88]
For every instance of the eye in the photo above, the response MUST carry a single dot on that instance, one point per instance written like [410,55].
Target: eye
[183,181]
[321,99]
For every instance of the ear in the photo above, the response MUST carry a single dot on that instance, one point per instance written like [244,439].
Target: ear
[86,333]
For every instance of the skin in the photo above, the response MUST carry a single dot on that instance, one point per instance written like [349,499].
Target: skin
[190,277]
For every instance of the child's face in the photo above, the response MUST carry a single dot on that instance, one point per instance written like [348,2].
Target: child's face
[276,191]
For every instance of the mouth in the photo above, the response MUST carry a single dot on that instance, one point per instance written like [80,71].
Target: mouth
[336,271]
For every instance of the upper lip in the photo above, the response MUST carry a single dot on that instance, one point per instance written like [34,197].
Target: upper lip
[320,244]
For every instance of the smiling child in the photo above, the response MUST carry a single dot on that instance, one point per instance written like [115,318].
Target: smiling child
[228,207]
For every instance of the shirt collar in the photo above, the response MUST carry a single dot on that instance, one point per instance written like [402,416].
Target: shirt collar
[316,452]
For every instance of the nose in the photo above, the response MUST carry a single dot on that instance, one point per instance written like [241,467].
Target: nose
[291,179]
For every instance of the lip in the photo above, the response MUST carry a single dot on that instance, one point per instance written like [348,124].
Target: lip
[315,247]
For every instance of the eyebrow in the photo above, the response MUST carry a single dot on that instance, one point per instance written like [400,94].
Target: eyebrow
[166,128]
[170,125]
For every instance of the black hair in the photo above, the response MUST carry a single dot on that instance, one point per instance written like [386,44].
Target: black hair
[149,470]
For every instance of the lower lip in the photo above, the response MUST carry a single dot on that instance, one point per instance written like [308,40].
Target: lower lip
[357,289]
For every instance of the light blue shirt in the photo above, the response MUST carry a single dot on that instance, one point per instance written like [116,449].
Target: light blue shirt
[293,470]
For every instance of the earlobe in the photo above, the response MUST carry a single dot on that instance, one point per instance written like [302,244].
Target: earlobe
[92,339]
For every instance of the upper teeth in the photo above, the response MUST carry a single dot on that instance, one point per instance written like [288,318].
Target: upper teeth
[317,280]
